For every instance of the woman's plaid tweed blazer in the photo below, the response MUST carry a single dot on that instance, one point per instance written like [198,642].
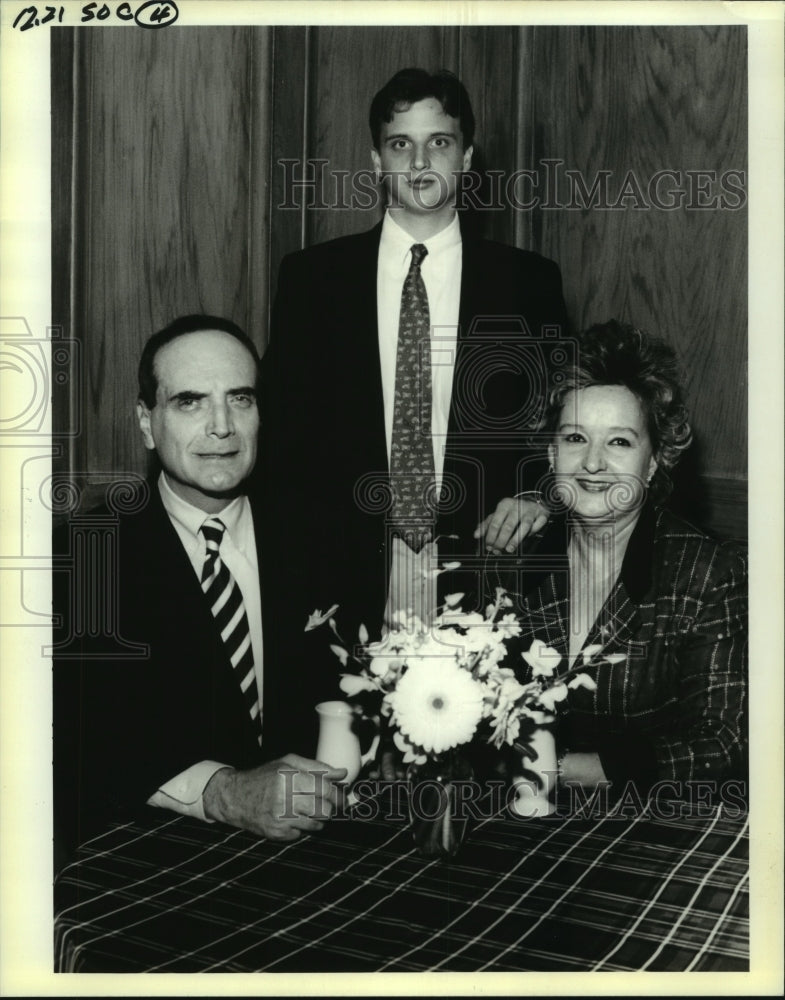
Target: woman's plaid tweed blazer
[675,710]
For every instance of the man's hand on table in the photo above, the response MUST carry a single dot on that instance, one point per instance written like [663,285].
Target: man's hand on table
[514,519]
[272,801]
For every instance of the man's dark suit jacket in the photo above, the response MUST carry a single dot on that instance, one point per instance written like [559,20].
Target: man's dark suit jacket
[323,424]
[124,725]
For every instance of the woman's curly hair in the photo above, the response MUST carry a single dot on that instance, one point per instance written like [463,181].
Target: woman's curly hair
[614,353]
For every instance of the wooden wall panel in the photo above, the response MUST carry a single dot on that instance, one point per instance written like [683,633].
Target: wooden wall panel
[165,204]
[65,403]
[258,264]
[489,68]
[179,195]
[644,100]
[289,130]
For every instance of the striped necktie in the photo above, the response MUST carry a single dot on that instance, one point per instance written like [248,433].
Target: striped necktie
[226,604]
[412,475]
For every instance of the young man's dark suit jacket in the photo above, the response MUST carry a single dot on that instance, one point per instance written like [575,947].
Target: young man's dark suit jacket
[323,425]
[124,725]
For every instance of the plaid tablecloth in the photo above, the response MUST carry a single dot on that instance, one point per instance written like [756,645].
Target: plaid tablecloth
[561,893]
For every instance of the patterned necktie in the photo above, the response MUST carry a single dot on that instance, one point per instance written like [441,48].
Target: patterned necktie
[226,604]
[412,474]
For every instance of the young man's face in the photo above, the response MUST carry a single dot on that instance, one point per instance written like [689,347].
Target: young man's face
[420,156]
[205,421]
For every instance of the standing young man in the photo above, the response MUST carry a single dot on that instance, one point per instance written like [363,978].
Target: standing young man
[401,373]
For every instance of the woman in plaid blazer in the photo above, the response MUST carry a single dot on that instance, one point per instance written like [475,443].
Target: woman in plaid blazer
[616,569]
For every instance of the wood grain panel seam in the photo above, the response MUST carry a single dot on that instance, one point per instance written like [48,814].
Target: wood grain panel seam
[522,234]
[250,242]
[260,187]
[307,117]
[73,380]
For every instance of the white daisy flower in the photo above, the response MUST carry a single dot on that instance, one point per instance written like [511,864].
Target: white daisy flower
[437,704]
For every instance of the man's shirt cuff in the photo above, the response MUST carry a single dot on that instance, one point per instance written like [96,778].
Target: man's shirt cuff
[183,793]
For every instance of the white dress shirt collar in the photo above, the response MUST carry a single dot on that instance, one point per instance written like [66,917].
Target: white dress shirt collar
[395,240]
[191,518]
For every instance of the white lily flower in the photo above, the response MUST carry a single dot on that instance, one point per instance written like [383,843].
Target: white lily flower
[582,680]
[341,653]
[508,626]
[379,665]
[541,658]
[511,689]
[353,684]
[549,698]
[539,716]
[317,618]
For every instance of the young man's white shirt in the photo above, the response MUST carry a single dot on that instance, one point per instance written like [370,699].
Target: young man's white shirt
[412,584]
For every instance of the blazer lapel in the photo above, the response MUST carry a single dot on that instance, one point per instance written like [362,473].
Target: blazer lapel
[470,306]
[538,580]
[471,280]
[616,623]
[546,614]
[359,331]
[619,620]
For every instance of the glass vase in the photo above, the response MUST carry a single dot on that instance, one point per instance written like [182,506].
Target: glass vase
[437,813]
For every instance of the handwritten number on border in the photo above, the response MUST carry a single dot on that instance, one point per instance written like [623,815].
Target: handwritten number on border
[150,14]
[33,20]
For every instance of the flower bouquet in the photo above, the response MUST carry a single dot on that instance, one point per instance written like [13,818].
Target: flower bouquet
[443,686]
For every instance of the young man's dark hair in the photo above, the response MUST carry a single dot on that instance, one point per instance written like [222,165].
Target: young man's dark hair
[196,322]
[411,85]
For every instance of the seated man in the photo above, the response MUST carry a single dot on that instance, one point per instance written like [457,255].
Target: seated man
[198,697]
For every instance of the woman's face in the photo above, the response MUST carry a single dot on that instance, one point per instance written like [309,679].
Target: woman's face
[601,454]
